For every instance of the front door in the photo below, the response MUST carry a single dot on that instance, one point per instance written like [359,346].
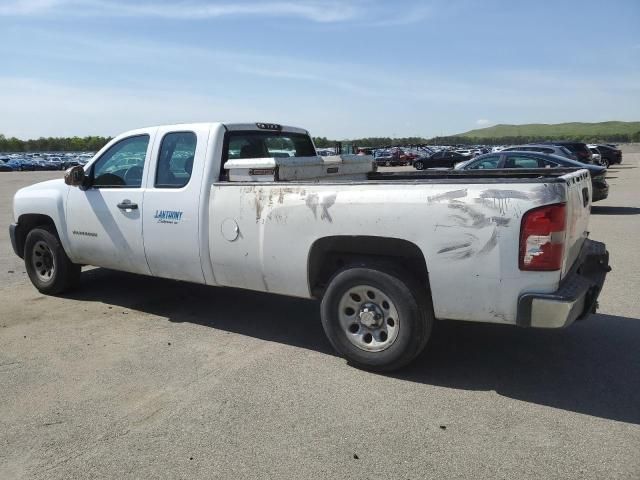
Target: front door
[104,221]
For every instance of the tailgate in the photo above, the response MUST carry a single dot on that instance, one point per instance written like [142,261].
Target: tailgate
[577,210]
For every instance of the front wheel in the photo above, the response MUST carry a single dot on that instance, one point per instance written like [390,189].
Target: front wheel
[378,319]
[47,264]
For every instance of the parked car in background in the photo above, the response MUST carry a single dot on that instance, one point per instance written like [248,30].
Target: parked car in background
[581,151]
[391,157]
[20,164]
[595,155]
[442,159]
[609,154]
[55,163]
[5,166]
[71,162]
[543,148]
[465,152]
[39,163]
[525,159]
[384,158]
[324,152]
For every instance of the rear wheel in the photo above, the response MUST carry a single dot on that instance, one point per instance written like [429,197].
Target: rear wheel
[605,162]
[377,318]
[47,264]
[419,165]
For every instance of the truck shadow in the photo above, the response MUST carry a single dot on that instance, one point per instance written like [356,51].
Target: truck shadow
[591,368]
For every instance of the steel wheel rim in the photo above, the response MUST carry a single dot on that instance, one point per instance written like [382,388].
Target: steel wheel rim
[368,318]
[43,261]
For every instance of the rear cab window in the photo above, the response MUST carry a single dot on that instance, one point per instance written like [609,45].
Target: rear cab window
[256,144]
[261,144]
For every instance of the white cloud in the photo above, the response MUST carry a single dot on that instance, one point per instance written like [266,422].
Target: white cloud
[310,10]
[29,7]
[483,122]
[357,12]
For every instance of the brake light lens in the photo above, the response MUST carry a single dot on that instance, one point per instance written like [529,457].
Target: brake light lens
[542,237]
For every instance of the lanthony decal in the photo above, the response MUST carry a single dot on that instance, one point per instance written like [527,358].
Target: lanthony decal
[168,216]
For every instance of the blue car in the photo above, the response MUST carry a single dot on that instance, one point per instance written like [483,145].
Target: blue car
[21,164]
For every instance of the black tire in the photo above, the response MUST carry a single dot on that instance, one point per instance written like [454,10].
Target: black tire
[605,162]
[387,163]
[42,248]
[414,316]
[419,165]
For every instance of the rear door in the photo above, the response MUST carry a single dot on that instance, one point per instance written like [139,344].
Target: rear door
[172,203]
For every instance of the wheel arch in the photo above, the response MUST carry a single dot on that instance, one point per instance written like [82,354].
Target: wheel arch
[26,223]
[329,254]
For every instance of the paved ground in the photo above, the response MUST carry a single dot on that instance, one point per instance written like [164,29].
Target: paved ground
[133,377]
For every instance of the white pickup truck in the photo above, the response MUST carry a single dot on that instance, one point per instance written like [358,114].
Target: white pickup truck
[251,206]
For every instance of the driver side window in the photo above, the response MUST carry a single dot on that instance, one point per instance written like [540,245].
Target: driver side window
[122,165]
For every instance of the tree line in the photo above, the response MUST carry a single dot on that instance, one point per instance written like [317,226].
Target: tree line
[379,142]
[53,144]
[95,143]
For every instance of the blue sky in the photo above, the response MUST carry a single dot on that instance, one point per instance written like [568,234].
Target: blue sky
[340,68]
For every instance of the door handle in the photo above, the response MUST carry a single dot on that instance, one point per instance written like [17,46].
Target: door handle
[127,205]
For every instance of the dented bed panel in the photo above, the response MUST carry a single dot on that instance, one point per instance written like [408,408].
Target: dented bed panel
[261,234]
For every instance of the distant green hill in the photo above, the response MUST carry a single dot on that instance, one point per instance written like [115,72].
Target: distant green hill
[573,130]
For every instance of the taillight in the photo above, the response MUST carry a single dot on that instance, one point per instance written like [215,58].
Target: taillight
[542,236]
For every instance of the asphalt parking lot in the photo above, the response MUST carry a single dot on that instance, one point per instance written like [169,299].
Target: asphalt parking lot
[135,377]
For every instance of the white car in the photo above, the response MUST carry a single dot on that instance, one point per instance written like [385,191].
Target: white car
[595,154]
[465,152]
[387,254]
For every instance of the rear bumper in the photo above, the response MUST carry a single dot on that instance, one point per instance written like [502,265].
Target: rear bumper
[577,296]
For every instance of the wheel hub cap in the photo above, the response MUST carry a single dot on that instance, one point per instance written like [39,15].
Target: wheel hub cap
[370,315]
[42,261]
[369,318]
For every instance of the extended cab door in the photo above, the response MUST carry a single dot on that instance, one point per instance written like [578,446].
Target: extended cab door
[104,220]
[172,202]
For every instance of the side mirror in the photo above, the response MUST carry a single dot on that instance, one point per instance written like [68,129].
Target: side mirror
[74,176]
